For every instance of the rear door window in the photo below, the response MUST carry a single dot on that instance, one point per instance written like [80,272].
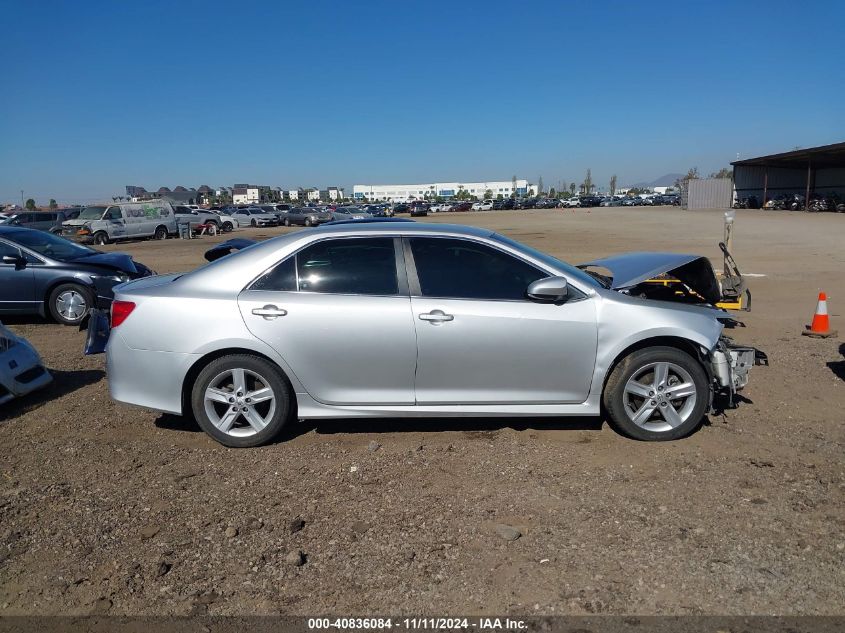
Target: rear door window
[356,266]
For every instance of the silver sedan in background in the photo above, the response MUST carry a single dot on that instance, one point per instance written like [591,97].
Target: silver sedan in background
[386,319]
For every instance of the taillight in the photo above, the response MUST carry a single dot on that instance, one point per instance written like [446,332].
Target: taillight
[120,310]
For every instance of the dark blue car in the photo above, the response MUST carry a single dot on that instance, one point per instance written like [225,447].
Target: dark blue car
[42,273]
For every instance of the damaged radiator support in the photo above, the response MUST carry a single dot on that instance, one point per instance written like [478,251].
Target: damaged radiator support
[730,364]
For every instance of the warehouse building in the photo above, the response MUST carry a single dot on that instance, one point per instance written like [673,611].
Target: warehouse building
[812,172]
[403,193]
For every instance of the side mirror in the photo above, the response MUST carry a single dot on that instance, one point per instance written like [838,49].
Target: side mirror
[15,260]
[548,289]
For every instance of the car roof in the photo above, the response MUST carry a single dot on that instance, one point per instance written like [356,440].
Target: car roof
[403,227]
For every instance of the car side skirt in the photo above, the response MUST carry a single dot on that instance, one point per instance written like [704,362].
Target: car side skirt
[308,408]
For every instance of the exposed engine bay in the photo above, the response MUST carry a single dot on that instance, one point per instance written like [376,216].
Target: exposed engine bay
[673,277]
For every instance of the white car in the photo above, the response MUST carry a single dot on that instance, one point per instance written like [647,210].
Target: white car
[440,207]
[483,205]
[255,217]
[21,369]
[571,202]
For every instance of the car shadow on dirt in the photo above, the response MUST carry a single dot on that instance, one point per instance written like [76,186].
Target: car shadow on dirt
[838,366]
[64,382]
[472,427]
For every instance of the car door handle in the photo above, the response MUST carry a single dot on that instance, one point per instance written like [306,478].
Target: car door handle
[436,316]
[269,312]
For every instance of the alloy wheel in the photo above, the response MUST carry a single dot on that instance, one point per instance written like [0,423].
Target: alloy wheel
[660,396]
[239,402]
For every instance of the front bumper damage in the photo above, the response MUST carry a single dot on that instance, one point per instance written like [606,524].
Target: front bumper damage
[729,366]
[21,370]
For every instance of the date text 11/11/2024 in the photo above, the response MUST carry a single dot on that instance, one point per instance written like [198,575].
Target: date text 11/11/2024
[433,623]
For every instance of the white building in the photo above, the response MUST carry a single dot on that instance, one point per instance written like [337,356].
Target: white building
[245,195]
[335,193]
[403,193]
[313,195]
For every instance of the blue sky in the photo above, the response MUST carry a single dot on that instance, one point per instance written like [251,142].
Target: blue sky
[103,94]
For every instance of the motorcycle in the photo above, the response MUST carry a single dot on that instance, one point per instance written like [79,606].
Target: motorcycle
[751,202]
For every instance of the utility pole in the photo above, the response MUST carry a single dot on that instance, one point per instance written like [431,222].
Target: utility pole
[21,198]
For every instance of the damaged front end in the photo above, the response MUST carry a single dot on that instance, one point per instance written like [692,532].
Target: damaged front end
[676,277]
[691,280]
[729,367]
[21,368]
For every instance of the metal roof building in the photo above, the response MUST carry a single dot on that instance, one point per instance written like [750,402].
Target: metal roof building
[816,170]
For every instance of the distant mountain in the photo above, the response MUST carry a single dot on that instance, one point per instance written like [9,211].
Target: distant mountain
[664,181]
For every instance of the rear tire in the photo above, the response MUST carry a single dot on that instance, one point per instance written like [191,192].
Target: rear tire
[69,303]
[225,403]
[287,222]
[639,398]
[160,233]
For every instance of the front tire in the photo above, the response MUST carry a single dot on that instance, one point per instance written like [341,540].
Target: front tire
[308,222]
[70,303]
[101,239]
[657,394]
[227,227]
[242,400]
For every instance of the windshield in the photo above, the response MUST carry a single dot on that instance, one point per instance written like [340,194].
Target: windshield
[51,245]
[92,213]
[569,269]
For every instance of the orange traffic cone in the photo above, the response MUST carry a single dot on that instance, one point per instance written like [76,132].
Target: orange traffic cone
[820,327]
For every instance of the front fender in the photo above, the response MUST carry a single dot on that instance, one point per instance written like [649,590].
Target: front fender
[624,322]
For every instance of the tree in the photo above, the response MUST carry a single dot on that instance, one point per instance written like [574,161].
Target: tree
[513,186]
[724,172]
[588,182]
[53,205]
[30,205]
[499,196]
[565,194]
[572,188]
[613,185]
[552,193]
[488,194]
[682,182]
[540,186]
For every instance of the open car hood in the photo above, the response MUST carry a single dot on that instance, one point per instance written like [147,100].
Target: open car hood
[118,261]
[632,269]
[227,248]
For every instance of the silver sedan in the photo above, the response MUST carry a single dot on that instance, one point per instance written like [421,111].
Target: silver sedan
[386,319]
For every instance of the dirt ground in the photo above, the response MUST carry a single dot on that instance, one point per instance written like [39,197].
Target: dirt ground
[110,509]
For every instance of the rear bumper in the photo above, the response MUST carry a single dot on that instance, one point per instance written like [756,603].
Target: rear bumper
[146,378]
